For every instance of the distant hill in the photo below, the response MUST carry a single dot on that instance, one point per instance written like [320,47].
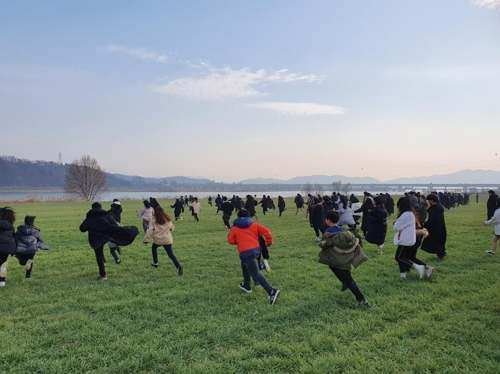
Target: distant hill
[312,179]
[167,180]
[462,176]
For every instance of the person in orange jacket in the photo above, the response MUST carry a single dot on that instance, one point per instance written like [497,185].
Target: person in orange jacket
[245,235]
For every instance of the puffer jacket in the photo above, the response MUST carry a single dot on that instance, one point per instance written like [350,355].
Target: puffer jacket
[27,239]
[245,235]
[341,250]
[7,237]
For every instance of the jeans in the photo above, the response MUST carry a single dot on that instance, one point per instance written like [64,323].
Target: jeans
[170,253]
[250,268]
[145,225]
[99,256]
[345,277]
[112,250]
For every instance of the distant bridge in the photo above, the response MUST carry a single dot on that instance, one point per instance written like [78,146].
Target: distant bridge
[396,187]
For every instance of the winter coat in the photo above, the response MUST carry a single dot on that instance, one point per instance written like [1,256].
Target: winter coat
[281,204]
[178,208]
[341,250]
[422,211]
[389,205]
[495,220]
[317,218]
[245,235]
[328,206]
[345,215]
[299,201]
[491,205]
[7,237]
[378,226]
[162,234]
[405,230]
[250,206]
[366,219]
[196,207]
[146,214]
[435,225]
[103,228]
[27,239]
[116,211]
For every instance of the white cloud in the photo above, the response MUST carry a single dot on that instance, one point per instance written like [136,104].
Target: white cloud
[298,109]
[227,84]
[140,53]
[492,4]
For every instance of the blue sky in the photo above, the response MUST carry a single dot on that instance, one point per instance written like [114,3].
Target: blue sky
[230,90]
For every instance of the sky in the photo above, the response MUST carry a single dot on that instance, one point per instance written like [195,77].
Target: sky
[230,90]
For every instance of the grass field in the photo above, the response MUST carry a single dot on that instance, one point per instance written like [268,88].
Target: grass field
[146,320]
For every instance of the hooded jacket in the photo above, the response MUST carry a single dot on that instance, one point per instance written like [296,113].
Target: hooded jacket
[27,239]
[102,228]
[435,225]
[341,250]
[7,238]
[162,234]
[245,235]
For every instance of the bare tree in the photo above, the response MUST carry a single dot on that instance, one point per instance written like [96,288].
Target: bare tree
[346,188]
[85,178]
[337,186]
[319,189]
[307,189]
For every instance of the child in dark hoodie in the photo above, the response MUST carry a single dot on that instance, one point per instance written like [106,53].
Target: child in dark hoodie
[29,241]
[245,235]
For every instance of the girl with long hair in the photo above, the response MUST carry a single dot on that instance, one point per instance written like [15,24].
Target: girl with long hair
[408,239]
[161,231]
[146,213]
[7,240]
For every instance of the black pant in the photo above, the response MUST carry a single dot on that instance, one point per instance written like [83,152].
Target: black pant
[407,256]
[99,256]
[226,218]
[345,277]
[170,254]
[317,231]
[196,217]
[23,259]
[250,268]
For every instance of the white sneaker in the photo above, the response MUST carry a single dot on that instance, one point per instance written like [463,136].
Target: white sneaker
[318,239]
[28,264]
[3,270]
[421,270]
[266,265]
[430,271]
[2,284]
[380,247]
[403,275]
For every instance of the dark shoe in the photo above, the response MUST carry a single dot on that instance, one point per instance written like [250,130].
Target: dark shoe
[155,265]
[104,277]
[274,296]
[343,288]
[244,288]
[118,262]
[180,271]
[441,258]
[364,304]
[262,266]
[256,284]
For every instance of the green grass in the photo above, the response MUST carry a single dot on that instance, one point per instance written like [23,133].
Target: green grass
[146,320]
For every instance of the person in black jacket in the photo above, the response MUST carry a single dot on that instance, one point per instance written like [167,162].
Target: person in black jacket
[7,240]
[178,208]
[366,208]
[102,228]
[281,204]
[378,225]
[491,204]
[435,225]
[250,204]
[227,210]
[317,219]
[116,210]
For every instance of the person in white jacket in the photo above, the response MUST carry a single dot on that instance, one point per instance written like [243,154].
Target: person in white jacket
[407,241]
[495,220]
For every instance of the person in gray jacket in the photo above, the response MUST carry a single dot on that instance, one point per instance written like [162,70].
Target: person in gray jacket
[28,239]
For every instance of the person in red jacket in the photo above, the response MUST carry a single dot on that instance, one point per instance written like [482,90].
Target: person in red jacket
[245,235]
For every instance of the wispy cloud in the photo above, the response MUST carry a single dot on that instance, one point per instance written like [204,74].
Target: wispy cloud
[492,4]
[298,109]
[227,84]
[140,53]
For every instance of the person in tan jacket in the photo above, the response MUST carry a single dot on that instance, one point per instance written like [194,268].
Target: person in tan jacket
[161,231]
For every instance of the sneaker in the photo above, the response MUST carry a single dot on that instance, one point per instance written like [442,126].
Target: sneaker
[490,252]
[318,239]
[3,269]
[364,304]
[154,264]
[119,250]
[266,266]
[2,284]
[247,290]
[403,275]
[28,264]
[380,251]
[104,277]
[256,284]
[430,271]
[262,266]
[118,262]
[180,271]
[443,256]
[274,296]
[421,270]
[343,288]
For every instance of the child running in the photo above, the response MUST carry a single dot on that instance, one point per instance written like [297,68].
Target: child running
[7,240]
[245,235]
[340,250]
[161,230]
